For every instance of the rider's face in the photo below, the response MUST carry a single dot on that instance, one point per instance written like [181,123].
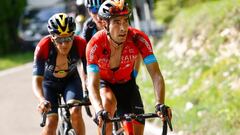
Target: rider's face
[63,43]
[97,20]
[118,28]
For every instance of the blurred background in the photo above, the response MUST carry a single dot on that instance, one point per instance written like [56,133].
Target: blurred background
[196,42]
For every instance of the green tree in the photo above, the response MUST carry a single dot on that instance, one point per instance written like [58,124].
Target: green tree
[10,12]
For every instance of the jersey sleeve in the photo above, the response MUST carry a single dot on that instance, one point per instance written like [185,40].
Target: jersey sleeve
[145,47]
[81,50]
[81,46]
[40,56]
[93,52]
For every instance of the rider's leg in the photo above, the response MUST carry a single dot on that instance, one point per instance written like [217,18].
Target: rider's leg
[50,88]
[109,103]
[129,101]
[77,120]
[51,125]
[138,127]
[72,94]
[133,127]
[128,127]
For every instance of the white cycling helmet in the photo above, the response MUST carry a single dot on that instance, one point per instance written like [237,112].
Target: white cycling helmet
[93,3]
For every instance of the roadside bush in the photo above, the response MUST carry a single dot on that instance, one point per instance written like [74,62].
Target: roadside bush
[10,11]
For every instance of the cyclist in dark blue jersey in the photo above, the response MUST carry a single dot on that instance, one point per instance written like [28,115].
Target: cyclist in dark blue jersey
[94,23]
[59,58]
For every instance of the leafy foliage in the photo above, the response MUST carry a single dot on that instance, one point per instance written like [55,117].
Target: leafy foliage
[199,58]
[166,10]
[10,11]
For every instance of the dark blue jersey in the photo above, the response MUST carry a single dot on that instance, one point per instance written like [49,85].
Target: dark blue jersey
[89,29]
[45,56]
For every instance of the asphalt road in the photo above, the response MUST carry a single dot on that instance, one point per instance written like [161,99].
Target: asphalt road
[18,113]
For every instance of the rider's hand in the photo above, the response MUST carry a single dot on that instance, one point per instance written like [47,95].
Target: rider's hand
[163,111]
[100,116]
[44,106]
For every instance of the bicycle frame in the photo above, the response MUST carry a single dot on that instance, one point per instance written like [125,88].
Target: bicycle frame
[117,129]
[65,124]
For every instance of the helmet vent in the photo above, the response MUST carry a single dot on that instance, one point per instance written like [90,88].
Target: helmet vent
[64,26]
[61,16]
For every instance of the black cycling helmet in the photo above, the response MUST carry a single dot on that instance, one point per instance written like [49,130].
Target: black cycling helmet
[113,8]
[61,24]
[93,3]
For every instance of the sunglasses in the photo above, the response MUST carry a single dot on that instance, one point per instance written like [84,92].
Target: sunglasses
[60,40]
[94,10]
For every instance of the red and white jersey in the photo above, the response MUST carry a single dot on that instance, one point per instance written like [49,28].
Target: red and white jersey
[98,55]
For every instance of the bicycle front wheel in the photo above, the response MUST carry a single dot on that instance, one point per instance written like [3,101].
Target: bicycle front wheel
[60,130]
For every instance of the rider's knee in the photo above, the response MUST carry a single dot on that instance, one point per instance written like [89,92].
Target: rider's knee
[76,112]
[110,106]
[52,121]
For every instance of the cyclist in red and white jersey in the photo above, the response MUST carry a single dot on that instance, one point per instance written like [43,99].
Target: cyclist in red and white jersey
[94,24]
[111,54]
[56,71]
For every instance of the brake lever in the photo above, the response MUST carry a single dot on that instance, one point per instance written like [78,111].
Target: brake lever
[43,122]
[169,123]
[86,99]
[88,111]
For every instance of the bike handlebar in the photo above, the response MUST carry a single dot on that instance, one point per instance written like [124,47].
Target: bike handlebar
[129,117]
[44,117]
[68,106]
[132,116]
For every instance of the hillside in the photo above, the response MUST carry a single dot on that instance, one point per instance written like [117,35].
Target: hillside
[199,57]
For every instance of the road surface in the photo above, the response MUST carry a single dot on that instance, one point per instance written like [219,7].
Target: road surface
[18,113]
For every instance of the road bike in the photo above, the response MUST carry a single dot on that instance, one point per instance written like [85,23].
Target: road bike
[65,125]
[119,130]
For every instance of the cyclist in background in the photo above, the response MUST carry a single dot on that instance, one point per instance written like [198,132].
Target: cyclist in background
[81,15]
[111,54]
[94,23]
[58,58]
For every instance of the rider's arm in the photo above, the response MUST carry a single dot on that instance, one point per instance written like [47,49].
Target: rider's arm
[158,81]
[82,75]
[137,65]
[150,61]
[93,87]
[93,52]
[37,87]
[81,48]
[40,57]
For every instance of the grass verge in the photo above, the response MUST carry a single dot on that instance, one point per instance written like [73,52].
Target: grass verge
[13,60]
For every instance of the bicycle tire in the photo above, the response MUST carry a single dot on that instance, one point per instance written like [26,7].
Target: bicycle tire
[60,130]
